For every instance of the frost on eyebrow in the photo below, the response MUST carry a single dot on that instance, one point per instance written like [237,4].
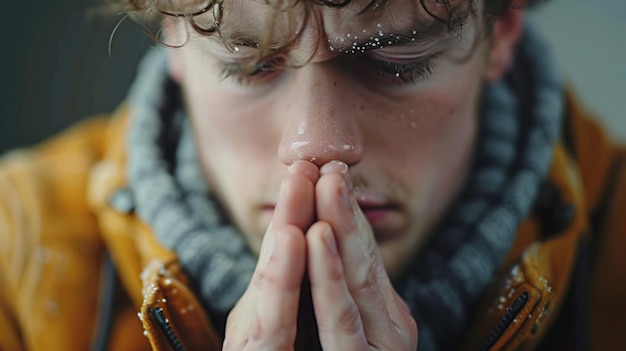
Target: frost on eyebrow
[378,37]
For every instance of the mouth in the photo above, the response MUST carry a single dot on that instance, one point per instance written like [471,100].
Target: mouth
[379,212]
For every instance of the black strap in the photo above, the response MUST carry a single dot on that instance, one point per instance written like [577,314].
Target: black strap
[108,286]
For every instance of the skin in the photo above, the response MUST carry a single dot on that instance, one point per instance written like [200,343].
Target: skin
[334,169]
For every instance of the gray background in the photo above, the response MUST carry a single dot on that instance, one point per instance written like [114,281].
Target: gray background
[589,38]
[56,68]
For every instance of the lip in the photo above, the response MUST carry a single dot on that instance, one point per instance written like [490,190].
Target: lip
[379,214]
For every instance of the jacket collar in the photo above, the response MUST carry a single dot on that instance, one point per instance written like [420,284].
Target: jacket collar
[534,280]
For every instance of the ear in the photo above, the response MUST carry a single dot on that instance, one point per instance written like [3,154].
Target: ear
[507,30]
[174,54]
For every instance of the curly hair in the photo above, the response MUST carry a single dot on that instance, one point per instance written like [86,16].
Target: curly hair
[206,16]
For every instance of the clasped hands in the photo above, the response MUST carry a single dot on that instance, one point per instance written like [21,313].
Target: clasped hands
[318,228]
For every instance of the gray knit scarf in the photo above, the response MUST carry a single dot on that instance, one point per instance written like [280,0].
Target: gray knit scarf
[519,125]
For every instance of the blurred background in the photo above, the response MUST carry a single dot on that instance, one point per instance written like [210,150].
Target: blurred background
[57,70]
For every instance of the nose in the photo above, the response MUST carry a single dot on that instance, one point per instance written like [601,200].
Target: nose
[319,124]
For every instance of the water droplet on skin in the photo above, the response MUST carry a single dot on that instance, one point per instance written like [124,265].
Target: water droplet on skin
[140,316]
[378,25]
[413,125]
[414,32]
[348,35]
[502,299]
[397,74]
[500,307]
[145,333]
[331,48]
[168,281]
[364,31]
[298,144]
[236,49]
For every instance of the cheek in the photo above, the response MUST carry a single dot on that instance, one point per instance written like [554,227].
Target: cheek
[233,139]
[429,130]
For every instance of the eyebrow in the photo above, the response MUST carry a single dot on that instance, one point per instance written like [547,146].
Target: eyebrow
[420,33]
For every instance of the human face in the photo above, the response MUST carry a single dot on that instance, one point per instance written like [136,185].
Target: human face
[406,134]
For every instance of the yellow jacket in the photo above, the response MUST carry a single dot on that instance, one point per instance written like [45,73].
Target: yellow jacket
[563,282]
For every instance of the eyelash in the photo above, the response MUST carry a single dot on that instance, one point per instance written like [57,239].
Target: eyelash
[408,73]
[234,71]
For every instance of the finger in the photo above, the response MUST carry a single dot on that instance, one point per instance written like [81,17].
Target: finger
[336,205]
[339,322]
[366,278]
[305,168]
[278,289]
[296,201]
[295,206]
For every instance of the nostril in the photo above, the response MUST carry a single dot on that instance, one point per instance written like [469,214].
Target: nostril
[320,143]
[323,152]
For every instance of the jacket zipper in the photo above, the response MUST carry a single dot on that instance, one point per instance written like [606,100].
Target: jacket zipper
[506,321]
[159,316]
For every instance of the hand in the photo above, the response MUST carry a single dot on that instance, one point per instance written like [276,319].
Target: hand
[265,318]
[356,307]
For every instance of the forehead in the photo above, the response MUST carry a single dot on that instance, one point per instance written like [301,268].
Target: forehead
[242,21]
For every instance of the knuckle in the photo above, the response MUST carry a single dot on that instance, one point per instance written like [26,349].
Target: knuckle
[407,330]
[335,273]
[262,278]
[369,279]
[350,320]
[412,331]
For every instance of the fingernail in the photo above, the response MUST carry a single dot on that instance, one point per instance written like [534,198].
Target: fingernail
[329,240]
[334,166]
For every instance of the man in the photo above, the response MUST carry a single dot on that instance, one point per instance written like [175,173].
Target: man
[302,175]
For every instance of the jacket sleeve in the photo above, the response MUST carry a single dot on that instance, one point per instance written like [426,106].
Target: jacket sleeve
[49,243]
[10,336]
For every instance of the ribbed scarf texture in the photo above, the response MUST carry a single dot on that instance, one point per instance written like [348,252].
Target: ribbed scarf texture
[519,125]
